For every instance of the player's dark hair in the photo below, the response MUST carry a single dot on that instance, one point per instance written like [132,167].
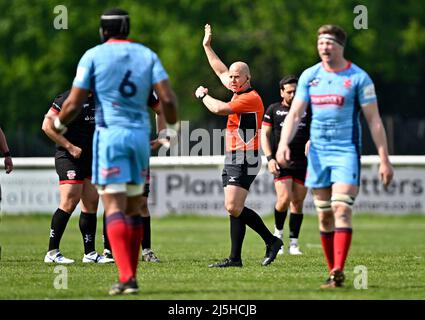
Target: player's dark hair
[336,31]
[114,23]
[288,79]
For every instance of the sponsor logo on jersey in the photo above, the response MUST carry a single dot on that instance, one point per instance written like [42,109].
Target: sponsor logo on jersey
[369,92]
[347,83]
[327,99]
[314,82]
[107,172]
[71,174]
[281,113]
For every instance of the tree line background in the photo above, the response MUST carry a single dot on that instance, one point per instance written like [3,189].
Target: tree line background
[275,37]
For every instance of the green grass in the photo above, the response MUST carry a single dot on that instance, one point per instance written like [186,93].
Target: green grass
[391,247]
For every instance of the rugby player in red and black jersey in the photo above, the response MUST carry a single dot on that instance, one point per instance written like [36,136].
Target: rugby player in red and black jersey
[289,181]
[73,163]
[245,112]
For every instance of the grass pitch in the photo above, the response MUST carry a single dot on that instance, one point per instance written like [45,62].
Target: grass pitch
[391,248]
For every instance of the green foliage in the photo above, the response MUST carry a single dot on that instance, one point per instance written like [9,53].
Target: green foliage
[275,37]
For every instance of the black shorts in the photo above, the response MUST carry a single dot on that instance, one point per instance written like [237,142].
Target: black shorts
[240,174]
[71,170]
[296,174]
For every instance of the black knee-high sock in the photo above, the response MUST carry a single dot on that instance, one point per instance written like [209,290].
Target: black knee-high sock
[254,221]
[57,227]
[146,242]
[88,223]
[295,221]
[279,218]
[237,235]
[106,244]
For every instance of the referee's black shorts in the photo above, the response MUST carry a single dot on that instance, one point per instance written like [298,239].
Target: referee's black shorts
[71,170]
[241,169]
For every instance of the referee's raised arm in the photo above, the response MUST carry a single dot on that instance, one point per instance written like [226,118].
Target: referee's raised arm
[215,62]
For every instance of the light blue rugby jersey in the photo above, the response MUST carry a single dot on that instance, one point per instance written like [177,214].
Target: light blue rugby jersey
[336,99]
[121,73]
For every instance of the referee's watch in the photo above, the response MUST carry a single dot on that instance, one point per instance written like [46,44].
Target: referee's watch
[270,157]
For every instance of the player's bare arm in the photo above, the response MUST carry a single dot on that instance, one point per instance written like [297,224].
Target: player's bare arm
[161,126]
[214,105]
[73,104]
[266,132]
[168,100]
[57,138]
[290,125]
[215,62]
[377,131]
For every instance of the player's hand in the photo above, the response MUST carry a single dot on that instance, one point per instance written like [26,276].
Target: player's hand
[207,37]
[200,92]
[155,144]
[273,167]
[75,151]
[386,172]
[283,155]
[8,164]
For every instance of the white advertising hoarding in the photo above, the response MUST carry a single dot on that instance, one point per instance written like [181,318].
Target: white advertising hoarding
[187,189]
[199,190]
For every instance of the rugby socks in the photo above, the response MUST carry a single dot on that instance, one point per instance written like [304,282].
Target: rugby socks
[342,242]
[254,221]
[237,235]
[146,242]
[119,238]
[106,244]
[88,223]
[279,218]
[135,231]
[57,228]
[327,239]
[295,221]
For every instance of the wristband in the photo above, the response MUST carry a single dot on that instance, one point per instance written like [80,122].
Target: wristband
[269,158]
[7,154]
[59,125]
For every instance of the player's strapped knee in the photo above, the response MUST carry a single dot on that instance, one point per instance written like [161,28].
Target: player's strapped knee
[134,190]
[343,199]
[130,190]
[322,205]
[112,188]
